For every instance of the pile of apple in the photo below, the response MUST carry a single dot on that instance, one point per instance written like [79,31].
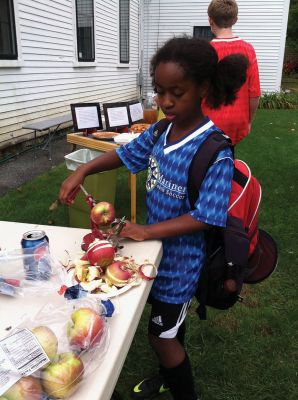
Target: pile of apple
[60,377]
[100,269]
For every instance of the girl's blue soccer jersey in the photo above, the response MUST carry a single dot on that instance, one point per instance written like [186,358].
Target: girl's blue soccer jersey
[167,198]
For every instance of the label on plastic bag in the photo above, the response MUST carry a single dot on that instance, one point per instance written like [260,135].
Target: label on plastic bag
[20,355]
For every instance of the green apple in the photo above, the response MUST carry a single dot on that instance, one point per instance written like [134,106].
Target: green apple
[27,388]
[86,328]
[60,378]
[47,340]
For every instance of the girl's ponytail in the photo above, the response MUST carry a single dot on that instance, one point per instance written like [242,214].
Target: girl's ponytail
[229,76]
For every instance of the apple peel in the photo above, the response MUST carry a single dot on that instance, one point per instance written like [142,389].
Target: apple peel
[142,274]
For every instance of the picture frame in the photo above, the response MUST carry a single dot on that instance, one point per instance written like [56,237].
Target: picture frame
[86,117]
[116,115]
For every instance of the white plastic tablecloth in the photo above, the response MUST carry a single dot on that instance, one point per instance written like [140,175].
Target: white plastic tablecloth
[100,384]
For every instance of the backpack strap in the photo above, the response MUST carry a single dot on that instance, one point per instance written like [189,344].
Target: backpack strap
[160,127]
[203,159]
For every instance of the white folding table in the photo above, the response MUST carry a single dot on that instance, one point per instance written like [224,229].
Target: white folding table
[129,305]
[47,125]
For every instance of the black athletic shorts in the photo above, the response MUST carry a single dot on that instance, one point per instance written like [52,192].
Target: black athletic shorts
[165,318]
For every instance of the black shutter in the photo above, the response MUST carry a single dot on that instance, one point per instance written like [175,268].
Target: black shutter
[85,30]
[8,43]
[124,30]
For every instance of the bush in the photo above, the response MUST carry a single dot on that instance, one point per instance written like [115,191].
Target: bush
[290,67]
[278,100]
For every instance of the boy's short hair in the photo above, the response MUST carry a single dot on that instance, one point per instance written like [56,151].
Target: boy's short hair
[223,12]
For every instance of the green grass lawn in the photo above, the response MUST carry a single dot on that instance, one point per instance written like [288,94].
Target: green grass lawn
[249,352]
[290,82]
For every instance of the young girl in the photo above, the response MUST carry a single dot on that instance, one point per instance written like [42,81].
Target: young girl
[183,71]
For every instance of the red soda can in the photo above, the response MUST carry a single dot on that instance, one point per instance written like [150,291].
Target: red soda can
[37,264]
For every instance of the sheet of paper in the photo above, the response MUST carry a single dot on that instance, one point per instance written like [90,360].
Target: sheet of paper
[136,112]
[118,116]
[87,117]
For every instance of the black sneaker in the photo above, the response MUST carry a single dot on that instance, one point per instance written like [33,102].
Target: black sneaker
[149,388]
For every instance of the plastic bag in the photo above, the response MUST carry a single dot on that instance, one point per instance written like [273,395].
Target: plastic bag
[28,272]
[48,356]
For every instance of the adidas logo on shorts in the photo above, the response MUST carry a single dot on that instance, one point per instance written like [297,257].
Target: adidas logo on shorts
[157,320]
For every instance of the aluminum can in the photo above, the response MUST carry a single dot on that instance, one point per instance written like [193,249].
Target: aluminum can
[37,264]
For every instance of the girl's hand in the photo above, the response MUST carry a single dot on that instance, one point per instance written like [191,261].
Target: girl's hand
[134,231]
[70,187]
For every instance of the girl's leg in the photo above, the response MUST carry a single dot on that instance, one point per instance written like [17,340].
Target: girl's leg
[166,336]
[174,367]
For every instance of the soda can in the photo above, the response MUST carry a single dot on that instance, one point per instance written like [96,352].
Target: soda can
[37,264]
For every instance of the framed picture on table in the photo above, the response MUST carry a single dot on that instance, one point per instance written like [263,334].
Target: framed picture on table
[86,117]
[135,112]
[116,115]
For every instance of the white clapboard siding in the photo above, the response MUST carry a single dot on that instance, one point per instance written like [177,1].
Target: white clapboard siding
[262,23]
[49,78]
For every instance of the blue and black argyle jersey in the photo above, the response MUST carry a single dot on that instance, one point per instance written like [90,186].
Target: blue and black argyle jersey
[167,197]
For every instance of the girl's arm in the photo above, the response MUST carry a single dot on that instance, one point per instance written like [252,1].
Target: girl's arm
[183,225]
[71,185]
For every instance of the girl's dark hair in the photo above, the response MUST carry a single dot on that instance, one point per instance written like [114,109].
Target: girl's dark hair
[200,62]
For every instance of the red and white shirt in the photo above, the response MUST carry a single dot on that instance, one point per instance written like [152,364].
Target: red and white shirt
[234,119]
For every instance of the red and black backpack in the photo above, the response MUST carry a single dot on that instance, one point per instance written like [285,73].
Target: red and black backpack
[241,252]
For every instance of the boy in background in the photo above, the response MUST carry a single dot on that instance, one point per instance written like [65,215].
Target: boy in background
[236,119]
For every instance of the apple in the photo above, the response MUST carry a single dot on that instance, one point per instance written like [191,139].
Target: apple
[103,213]
[118,274]
[27,388]
[47,340]
[101,253]
[87,240]
[60,378]
[90,237]
[86,328]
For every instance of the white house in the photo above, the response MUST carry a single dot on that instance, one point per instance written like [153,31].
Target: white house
[262,23]
[57,52]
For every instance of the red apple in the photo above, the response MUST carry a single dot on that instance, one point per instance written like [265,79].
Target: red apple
[117,274]
[86,328]
[90,237]
[60,378]
[47,340]
[103,213]
[27,388]
[101,253]
[87,240]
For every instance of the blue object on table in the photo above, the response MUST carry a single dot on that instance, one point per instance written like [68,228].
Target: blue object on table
[109,306]
[75,292]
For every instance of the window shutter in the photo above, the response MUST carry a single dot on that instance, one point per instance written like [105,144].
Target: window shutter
[85,30]
[124,30]
[203,32]
[8,43]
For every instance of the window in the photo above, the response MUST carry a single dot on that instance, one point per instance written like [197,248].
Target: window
[124,31]
[85,30]
[8,42]
[203,32]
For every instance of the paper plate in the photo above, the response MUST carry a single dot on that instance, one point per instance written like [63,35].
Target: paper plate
[71,281]
[124,138]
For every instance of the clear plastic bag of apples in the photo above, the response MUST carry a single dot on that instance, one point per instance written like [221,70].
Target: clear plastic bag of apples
[48,356]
